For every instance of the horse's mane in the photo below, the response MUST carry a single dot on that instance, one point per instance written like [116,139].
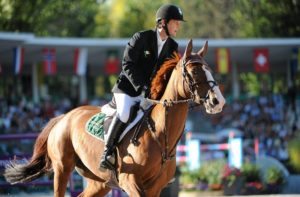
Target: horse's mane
[159,82]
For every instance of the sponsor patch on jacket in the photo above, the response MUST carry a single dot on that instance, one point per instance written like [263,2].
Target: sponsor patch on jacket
[146,53]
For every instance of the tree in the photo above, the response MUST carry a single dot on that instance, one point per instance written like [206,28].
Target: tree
[208,19]
[121,18]
[263,18]
[49,18]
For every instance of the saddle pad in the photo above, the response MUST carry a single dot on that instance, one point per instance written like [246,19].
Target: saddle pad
[95,125]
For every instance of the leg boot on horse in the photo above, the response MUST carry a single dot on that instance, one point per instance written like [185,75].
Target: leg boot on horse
[115,130]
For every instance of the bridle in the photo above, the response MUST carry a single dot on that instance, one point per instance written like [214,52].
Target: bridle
[192,84]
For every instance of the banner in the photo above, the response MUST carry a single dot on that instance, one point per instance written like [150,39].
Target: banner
[261,60]
[18,59]
[49,61]
[223,60]
[80,61]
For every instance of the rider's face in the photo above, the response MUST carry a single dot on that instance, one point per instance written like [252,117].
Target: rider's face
[173,27]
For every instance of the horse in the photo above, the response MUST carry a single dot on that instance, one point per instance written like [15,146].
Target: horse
[143,167]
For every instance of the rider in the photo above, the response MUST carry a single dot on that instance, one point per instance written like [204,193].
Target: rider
[143,56]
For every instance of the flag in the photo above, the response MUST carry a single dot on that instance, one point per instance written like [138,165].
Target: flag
[49,61]
[80,61]
[223,60]
[112,62]
[261,60]
[18,59]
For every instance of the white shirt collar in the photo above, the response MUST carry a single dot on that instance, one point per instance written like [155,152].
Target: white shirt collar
[160,43]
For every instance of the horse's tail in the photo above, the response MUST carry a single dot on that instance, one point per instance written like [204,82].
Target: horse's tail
[40,162]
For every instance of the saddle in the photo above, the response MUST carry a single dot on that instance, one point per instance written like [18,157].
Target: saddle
[98,124]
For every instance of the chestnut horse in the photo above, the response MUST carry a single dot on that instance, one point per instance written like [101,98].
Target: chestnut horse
[143,168]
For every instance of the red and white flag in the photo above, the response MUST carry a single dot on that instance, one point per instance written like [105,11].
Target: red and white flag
[49,61]
[80,61]
[261,60]
[18,59]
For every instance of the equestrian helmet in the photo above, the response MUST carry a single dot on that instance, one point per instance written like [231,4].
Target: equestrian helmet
[168,12]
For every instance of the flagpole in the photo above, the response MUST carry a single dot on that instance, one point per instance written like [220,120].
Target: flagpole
[82,89]
[235,82]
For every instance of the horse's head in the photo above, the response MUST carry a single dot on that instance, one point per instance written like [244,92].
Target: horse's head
[199,83]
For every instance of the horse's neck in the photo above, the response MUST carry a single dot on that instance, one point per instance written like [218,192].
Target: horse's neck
[171,119]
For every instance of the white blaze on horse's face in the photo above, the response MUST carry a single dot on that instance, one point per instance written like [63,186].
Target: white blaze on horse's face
[215,93]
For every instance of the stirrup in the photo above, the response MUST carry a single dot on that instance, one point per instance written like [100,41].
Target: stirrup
[108,163]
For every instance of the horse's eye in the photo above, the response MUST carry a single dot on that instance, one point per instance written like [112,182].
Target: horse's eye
[194,72]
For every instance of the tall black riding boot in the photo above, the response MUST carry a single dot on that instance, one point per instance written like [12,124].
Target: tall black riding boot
[115,130]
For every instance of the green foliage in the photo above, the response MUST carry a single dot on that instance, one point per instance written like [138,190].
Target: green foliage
[230,175]
[274,176]
[256,84]
[121,18]
[213,171]
[250,172]
[210,173]
[208,19]
[189,177]
[294,153]
[49,18]
[267,18]
[252,85]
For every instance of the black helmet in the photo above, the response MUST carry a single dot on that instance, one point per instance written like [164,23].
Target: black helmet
[168,12]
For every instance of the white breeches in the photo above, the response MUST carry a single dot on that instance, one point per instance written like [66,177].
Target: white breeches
[124,104]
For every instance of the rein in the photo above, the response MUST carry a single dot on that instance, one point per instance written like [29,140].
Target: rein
[167,153]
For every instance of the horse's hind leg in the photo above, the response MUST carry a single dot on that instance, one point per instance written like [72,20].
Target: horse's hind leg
[94,188]
[63,164]
[62,174]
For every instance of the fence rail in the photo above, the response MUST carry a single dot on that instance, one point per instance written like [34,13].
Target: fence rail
[5,158]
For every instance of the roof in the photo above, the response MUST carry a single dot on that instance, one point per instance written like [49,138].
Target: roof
[241,50]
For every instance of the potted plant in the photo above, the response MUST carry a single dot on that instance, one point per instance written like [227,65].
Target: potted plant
[232,181]
[188,180]
[202,180]
[253,183]
[214,174]
[274,179]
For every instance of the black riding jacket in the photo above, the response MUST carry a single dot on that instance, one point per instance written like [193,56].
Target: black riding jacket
[140,62]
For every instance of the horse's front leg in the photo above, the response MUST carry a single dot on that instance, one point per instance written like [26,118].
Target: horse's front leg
[131,185]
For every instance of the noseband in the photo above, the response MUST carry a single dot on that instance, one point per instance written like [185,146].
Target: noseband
[192,84]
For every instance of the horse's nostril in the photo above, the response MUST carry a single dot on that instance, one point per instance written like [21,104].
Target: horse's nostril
[215,101]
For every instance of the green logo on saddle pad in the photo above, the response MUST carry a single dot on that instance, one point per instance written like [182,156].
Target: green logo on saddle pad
[95,125]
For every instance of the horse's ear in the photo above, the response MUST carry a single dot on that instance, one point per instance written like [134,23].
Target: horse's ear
[202,52]
[188,49]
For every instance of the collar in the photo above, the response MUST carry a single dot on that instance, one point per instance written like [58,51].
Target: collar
[160,42]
